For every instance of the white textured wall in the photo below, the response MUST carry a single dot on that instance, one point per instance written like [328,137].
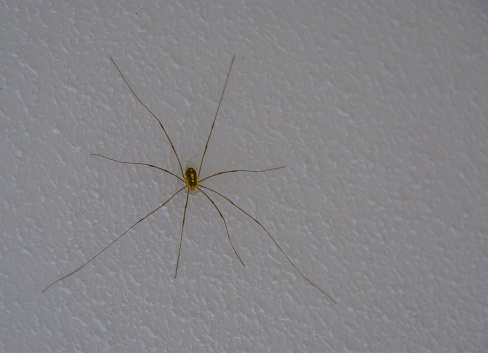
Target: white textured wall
[378,108]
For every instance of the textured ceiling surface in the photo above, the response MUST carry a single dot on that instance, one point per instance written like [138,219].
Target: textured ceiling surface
[377,109]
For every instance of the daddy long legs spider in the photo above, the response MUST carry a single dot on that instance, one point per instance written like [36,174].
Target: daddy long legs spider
[191,181]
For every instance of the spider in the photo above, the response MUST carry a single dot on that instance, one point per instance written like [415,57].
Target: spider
[191,180]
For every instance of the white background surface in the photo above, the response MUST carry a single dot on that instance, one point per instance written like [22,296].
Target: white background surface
[378,109]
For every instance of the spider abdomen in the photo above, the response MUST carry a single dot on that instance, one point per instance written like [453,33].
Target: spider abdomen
[191,178]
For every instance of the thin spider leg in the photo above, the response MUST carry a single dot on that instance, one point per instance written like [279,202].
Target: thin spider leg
[225,223]
[120,236]
[274,241]
[216,113]
[241,170]
[182,227]
[136,163]
[149,110]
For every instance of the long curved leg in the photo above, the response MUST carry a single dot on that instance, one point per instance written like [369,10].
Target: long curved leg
[181,237]
[120,236]
[274,241]
[241,170]
[149,110]
[225,223]
[137,163]
[216,113]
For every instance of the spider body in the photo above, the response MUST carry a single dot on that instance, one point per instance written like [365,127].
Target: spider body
[191,178]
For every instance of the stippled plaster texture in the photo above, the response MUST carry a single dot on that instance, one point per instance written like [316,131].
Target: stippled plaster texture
[377,108]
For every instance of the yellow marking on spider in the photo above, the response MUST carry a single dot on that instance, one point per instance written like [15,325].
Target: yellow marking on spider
[191,178]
